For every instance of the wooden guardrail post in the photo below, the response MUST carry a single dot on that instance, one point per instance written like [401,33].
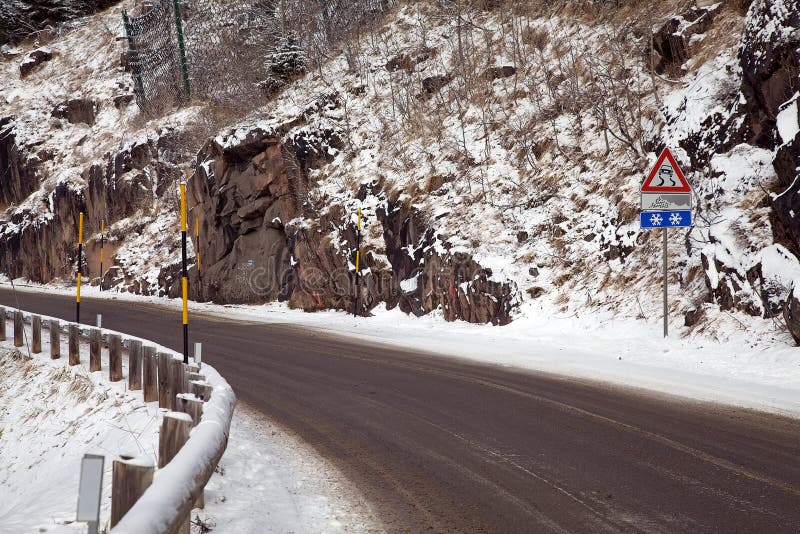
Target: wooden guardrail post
[55,339]
[135,365]
[2,323]
[114,357]
[95,347]
[129,480]
[194,377]
[149,374]
[189,404]
[19,329]
[36,334]
[175,428]
[74,345]
[163,380]
[176,377]
[201,390]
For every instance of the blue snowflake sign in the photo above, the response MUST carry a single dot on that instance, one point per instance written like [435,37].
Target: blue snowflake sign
[666,219]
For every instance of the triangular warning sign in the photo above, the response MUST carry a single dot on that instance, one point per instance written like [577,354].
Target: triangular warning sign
[666,176]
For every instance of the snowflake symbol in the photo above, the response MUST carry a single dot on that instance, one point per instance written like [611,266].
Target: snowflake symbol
[675,219]
[656,220]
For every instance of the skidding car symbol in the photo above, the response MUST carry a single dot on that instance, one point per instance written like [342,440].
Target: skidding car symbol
[666,172]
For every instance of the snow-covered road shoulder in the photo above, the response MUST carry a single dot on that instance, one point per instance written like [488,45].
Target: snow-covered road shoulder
[752,366]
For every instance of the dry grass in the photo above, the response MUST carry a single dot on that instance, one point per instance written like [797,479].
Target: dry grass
[724,34]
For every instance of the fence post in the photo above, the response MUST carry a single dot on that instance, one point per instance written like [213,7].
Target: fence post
[189,404]
[55,339]
[74,345]
[176,377]
[192,377]
[2,323]
[95,341]
[201,390]
[36,334]
[163,380]
[175,428]
[114,358]
[135,365]
[19,329]
[181,49]
[130,478]
[149,374]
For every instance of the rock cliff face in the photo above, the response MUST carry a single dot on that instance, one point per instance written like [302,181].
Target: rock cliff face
[39,242]
[18,178]
[768,60]
[262,240]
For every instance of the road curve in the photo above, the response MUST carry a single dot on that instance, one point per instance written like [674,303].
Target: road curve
[445,445]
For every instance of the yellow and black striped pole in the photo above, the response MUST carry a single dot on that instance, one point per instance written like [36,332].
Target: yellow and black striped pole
[102,244]
[80,265]
[184,277]
[358,261]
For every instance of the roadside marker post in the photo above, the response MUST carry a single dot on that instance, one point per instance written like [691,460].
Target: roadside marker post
[90,491]
[197,243]
[358,261]
[184,276]
[666,202]
[102,244]
[198,354]
[80,265]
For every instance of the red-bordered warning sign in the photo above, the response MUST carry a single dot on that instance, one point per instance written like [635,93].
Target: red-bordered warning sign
[666,176]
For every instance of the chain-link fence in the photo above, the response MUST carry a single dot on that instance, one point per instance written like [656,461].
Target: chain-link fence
[226,45]
[153,55]
[233,52]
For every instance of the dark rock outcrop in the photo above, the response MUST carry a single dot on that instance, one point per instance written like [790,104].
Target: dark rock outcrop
[18,177]
[262,240]
[671,41]
[756,289]
[245,193]
[496,73]
[786,205]
[76,110]
[34,60]
[791,314]
[119,188]
[770,58]
[433,84]
[19,18]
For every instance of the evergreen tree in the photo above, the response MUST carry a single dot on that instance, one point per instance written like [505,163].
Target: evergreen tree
[287,60]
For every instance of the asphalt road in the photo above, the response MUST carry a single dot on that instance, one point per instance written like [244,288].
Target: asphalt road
[443,445]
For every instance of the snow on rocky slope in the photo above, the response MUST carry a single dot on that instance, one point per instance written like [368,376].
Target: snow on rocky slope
[496,154]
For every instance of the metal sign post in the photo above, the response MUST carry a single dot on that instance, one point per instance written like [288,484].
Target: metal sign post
[666,322]
[90,491]
[665,196]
